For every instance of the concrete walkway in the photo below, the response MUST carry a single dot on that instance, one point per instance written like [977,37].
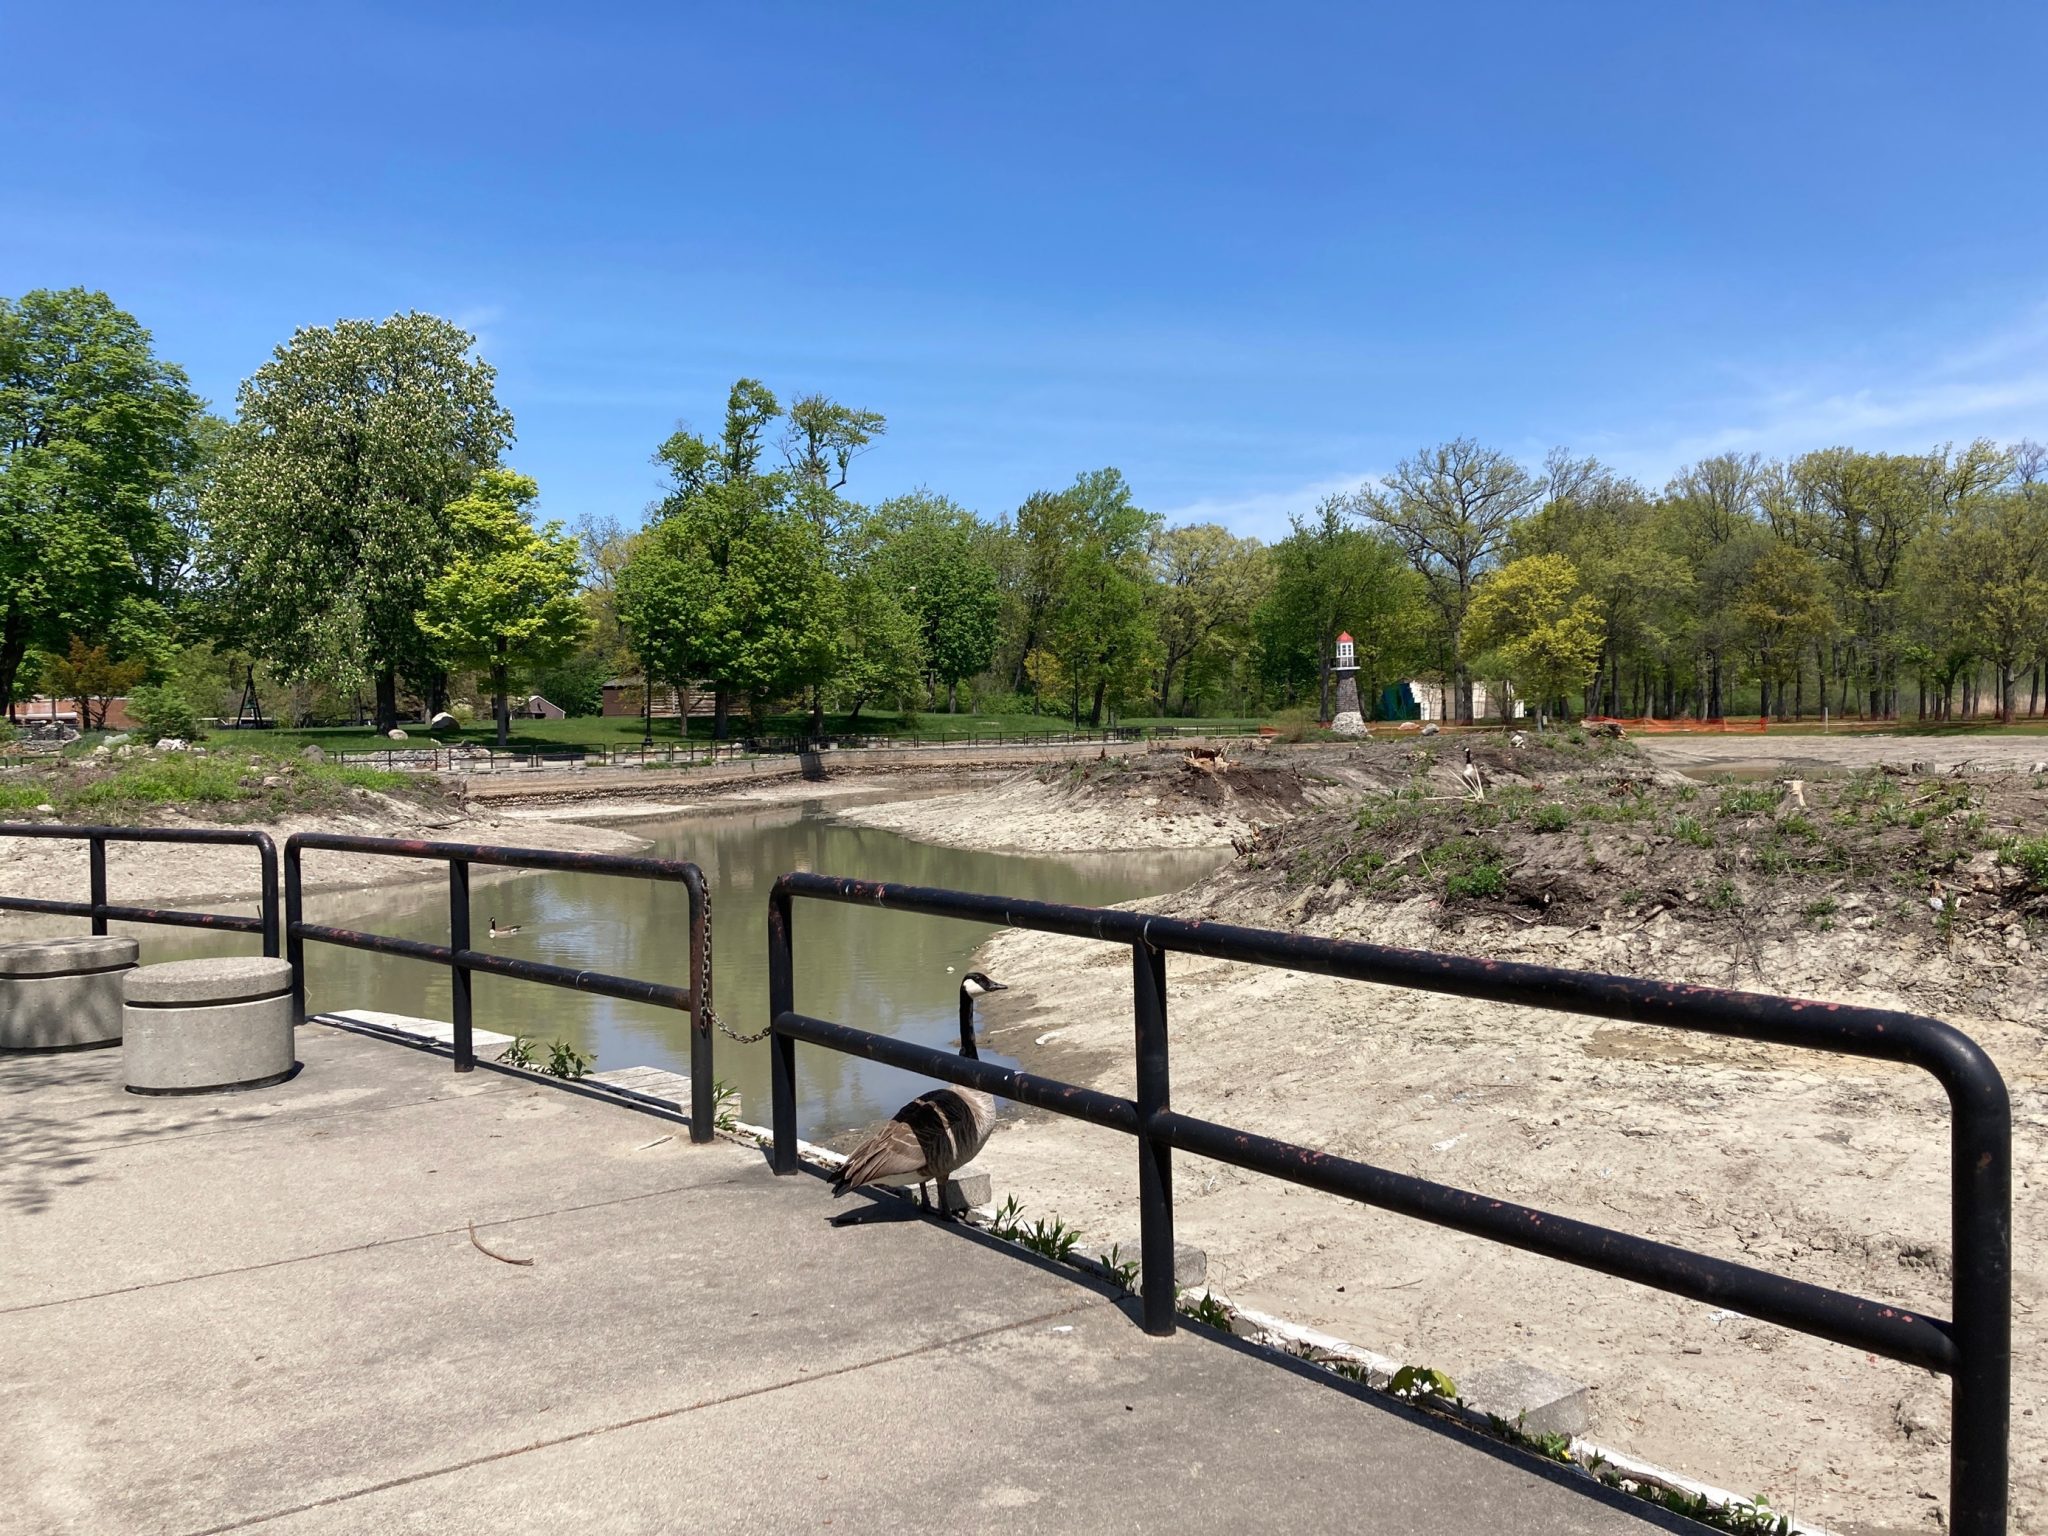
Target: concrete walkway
[265,1311]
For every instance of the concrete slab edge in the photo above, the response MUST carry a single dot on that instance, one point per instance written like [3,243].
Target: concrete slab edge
[1297,1342]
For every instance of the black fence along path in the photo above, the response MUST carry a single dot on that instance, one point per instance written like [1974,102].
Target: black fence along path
[464,961]
[1974,1347]
[100,911]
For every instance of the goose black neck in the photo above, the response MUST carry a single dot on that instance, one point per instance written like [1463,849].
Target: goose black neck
[967,1047]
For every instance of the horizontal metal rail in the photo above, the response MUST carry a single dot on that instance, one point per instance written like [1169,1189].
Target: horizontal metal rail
[463,962]
[100,911]
[1974,1348]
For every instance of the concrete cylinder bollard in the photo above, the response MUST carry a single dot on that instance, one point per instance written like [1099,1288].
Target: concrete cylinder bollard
[62,994]
[208,1026]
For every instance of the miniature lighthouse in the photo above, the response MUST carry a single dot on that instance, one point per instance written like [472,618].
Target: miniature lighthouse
[1348,720]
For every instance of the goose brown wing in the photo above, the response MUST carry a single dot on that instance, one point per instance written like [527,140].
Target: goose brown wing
[930,1136]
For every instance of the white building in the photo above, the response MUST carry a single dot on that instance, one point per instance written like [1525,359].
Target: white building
[1437,702]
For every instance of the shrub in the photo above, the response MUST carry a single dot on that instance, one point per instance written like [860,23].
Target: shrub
[161,713]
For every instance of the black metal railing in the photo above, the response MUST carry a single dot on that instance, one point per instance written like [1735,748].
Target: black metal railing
[463,962]
[100,911]
[1974,1348]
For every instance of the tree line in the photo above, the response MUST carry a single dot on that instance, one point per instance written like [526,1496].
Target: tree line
[355,528]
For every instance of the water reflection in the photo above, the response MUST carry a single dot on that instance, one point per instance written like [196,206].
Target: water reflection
[878,970]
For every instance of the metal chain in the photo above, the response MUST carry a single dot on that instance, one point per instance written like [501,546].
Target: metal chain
[704,970]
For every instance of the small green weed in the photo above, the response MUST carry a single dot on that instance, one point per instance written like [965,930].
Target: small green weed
[1469,867]
[723,1095]
[1722,896]
[1691,833]
[1551,817]
[1046,1236]
[1757,800]
[561,1060]
[1207,1309]
[1122,1270]
[2030,857]
[1820,910]
[1413,1381]
[1757,1519]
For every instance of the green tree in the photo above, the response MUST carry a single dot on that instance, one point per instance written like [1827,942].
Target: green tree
[936,557]
[1783,608]
[1331,576]
[881,647]
[1451,509]
[1709,518]
[509,597]
[1547,632]
[825,437]
[94,430]
[1990,567]
[1614,538]
[731,581]
[1208,584]
[329,508]
[1099,623]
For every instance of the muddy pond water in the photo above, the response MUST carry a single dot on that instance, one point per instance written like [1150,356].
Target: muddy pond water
[886,971]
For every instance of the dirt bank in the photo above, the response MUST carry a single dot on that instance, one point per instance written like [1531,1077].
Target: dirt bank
[188,875]
[1829,1169]
[1168,796]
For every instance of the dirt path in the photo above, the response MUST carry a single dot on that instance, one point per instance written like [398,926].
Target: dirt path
[1816,755]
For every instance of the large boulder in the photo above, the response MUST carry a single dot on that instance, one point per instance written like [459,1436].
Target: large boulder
[395,734]
[444,722]
[313,754]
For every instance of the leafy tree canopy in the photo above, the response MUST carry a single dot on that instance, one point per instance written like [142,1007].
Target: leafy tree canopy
[94,430]
[329,510]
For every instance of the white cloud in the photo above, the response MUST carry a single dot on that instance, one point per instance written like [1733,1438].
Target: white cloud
[1264,514]
[481,321]
[1993,385]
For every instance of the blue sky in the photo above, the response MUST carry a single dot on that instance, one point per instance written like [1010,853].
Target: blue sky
[1246,254]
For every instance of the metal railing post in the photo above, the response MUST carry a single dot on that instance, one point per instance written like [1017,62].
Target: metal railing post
[266,853]
[294,941]
[1155,1153]
[96,854]
[703,1097]
[460,983]
[1981,1239]
[781,1048]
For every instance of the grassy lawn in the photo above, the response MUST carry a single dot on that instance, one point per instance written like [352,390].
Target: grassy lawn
[627,730]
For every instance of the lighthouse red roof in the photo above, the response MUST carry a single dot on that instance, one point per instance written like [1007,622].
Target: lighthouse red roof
[1341,639]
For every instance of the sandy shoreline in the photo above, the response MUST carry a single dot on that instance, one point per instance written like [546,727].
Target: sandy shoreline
[1829,1169]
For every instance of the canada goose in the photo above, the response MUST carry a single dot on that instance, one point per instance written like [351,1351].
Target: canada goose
[498,932]
[1518,740]
[1474,779]
[935,1132]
